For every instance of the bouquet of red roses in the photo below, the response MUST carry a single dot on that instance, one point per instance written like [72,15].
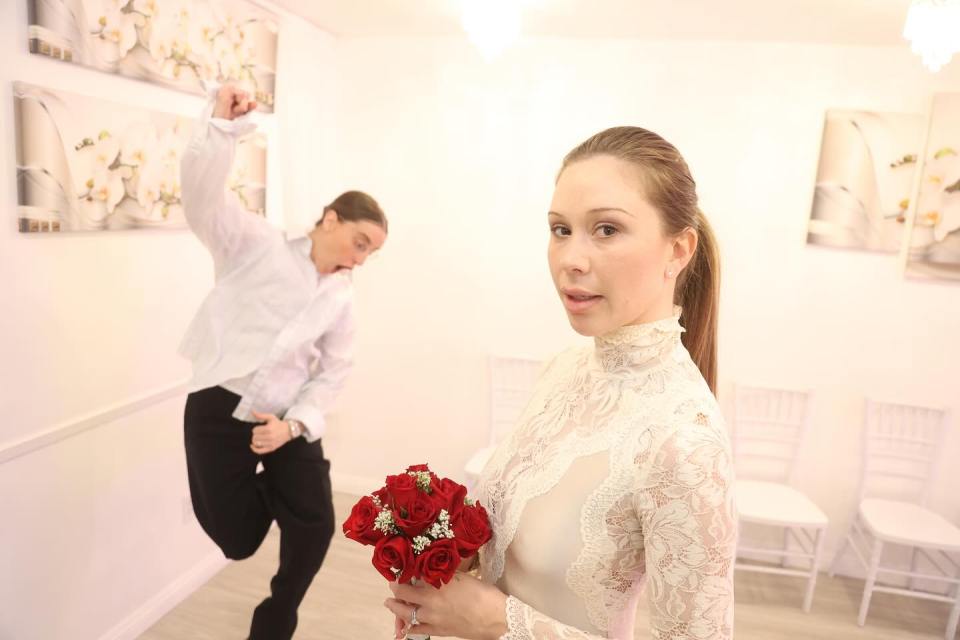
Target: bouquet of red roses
[420,526]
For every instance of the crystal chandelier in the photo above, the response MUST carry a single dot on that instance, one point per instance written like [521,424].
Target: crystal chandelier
[933,29]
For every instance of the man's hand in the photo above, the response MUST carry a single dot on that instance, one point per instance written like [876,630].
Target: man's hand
[269,436]
[232,103]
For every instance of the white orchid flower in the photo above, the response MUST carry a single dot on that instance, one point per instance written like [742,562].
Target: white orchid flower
[170,145]
[106,149]
[939,203]
[182,10]
[168,182]
[203,28]
[106,190]
[137,144]
[149,8]
[201,40]
[949,216]
[148,184]
[157,211]
[93,156]
[174,211]
[116,30]
[161,35]
[159,192]
[165,211]
[232,29]
[109,189]
[207,68]
[226,57]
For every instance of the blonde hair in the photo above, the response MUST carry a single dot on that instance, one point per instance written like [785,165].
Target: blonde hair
[671,189]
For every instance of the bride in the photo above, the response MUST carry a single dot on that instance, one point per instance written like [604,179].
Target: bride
[618,476]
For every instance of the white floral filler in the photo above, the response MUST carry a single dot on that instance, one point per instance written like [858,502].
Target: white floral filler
[384,522]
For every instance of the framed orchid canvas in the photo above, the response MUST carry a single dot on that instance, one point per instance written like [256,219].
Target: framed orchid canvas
[85,164]
[934,250]
[175,43]
[868,163]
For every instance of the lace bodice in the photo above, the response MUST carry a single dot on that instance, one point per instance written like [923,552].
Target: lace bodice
[617,477]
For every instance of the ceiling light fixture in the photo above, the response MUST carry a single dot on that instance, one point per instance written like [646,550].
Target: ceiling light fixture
[492,25]
[933,29]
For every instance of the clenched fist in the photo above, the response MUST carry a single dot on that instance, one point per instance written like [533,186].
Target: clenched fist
[232,103]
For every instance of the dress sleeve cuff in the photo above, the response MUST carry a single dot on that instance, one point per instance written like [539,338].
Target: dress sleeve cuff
[516,620]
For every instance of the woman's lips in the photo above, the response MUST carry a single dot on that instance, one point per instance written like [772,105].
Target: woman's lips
[578,301]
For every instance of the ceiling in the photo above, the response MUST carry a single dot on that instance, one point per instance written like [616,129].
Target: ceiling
[850,22]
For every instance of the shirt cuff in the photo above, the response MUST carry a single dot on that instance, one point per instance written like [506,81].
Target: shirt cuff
[238,126]
[313,421]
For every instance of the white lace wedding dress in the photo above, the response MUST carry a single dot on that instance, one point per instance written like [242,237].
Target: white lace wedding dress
[617,479]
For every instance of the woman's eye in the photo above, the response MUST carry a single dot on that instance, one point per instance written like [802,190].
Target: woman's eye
[606,230]
[559,230]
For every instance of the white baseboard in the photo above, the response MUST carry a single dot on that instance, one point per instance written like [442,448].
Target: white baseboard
[176,592]
[354,485]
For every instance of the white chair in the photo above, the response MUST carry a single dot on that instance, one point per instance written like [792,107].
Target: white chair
[768,428]
[511,383]
[901,444]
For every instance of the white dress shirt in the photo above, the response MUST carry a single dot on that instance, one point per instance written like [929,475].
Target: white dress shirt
[272,330]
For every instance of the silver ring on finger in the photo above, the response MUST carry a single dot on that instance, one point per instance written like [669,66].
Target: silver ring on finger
[413,617]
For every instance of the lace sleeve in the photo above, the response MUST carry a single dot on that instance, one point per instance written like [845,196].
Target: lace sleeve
[689,533]
[525,623]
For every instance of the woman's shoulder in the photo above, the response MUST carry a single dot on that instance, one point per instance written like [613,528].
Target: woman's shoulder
[680,411]
[693,424]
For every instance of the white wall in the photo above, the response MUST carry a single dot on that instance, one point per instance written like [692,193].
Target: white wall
[95,541]
[463,156]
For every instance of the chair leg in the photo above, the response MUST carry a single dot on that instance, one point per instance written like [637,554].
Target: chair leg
[914,555]
[786,547]
[871,580]
[952,621]
[954,612]
[839,554]
[814,570]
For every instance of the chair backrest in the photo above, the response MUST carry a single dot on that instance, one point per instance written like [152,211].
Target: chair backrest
[901,444]
[511,384]
[768,428]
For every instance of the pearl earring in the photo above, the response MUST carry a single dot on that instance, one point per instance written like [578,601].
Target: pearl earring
[670,273]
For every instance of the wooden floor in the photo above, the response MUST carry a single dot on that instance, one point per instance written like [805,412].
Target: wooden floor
[345,603]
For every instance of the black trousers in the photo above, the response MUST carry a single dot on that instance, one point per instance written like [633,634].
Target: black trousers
[235,505]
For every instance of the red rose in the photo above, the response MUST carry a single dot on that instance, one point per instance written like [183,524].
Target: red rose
[450,496]
[438,562]
[402,489]
[472,529]
[383,496]
[418,515]
[391,553]
[359,526]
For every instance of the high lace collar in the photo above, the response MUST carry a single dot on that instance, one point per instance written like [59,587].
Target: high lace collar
[638,345]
